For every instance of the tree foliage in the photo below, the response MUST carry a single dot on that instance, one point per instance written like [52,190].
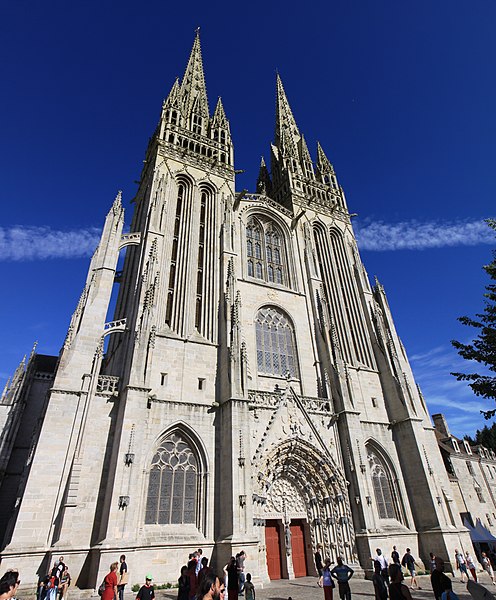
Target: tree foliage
[485,437]
[483,348]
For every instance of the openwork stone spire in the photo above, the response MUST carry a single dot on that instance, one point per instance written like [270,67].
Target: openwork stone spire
[287,135]
[323,163]
[193,89]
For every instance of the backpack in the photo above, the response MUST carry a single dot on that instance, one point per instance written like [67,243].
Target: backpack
[101,589]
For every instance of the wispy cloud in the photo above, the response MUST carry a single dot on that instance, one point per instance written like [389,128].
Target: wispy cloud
[416,235]
[39,243]
[444,394]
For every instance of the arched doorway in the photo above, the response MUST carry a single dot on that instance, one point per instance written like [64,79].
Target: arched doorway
[302,500]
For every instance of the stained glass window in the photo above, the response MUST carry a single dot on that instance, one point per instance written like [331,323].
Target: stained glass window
[264,242]
[173,484]
[276,348]
[383,489]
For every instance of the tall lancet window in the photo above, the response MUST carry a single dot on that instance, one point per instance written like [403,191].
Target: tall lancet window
[383,485]
[174,487]
[276,346]
[201,257]
[174,254]
[265,251]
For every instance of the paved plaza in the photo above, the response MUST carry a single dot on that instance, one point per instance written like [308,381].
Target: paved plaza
[305,588]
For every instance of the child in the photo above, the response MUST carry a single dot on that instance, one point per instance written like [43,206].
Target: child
[249,588]
[146,591]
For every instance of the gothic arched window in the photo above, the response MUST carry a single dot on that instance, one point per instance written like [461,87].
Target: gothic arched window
[174,485]
[384,489]
[276,347]
[265,252]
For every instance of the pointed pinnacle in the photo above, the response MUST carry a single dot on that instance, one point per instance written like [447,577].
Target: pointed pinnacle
[193,84]
[219,119]
[285,121]
[174,94]
[323,163]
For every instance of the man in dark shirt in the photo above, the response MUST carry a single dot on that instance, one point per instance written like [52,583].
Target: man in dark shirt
[439,581]
[343,573]
[318,560]
[146,591]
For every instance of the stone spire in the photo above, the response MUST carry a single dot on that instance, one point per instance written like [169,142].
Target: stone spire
[287,135]
[323,163]
[193,89]
[219,119]
[173,100]
[305,158]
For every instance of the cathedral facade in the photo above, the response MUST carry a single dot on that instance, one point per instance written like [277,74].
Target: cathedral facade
[251,391]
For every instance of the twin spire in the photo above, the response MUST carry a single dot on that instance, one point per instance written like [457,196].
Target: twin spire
[189,97]
[289,142]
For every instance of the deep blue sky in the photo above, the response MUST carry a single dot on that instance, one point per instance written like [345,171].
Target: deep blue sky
[401,95]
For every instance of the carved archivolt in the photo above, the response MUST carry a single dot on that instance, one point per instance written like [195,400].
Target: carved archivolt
[295,480]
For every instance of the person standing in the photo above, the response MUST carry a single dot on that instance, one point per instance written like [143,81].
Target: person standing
[183,584]
[382,560]
[240,562]
[343,573]
[486,565]
[409,562]
[395,556]
[146,592]
[249,588]
[439,581]
[432,561]
[110,583]
[123,577]
[64,583]
[318,560]
[326,581]
[211,588]
[53,583]
[9,584]
[231,570]
[460,564]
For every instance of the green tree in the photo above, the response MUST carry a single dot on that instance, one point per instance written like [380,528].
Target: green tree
[483,347]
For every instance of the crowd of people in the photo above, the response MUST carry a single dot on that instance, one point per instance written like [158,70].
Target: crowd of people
[197,581]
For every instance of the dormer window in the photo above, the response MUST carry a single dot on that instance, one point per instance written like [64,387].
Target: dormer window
[456,447]
[467,448]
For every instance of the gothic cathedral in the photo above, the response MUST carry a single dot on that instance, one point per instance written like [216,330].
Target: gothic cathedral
[251,391]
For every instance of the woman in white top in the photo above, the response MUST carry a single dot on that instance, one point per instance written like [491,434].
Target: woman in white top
[486,565]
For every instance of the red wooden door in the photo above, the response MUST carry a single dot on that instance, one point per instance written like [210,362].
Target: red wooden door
[273,545]
[298,550]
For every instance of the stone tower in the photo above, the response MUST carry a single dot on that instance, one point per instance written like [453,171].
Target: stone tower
[251,391]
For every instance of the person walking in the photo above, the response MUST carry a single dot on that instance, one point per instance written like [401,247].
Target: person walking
[240,563]
[486,565]
[397,589]
[110,583]
[432,561]
[439,581]
[249,588]
[380,587]
[326,581]
[469,561]
[183,584]
[409,562]
[460,564]
[64,583]
[343,573]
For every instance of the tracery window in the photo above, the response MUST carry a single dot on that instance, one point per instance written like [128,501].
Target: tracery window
[383,487]
[265,252]
[276,347]
[174,483]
